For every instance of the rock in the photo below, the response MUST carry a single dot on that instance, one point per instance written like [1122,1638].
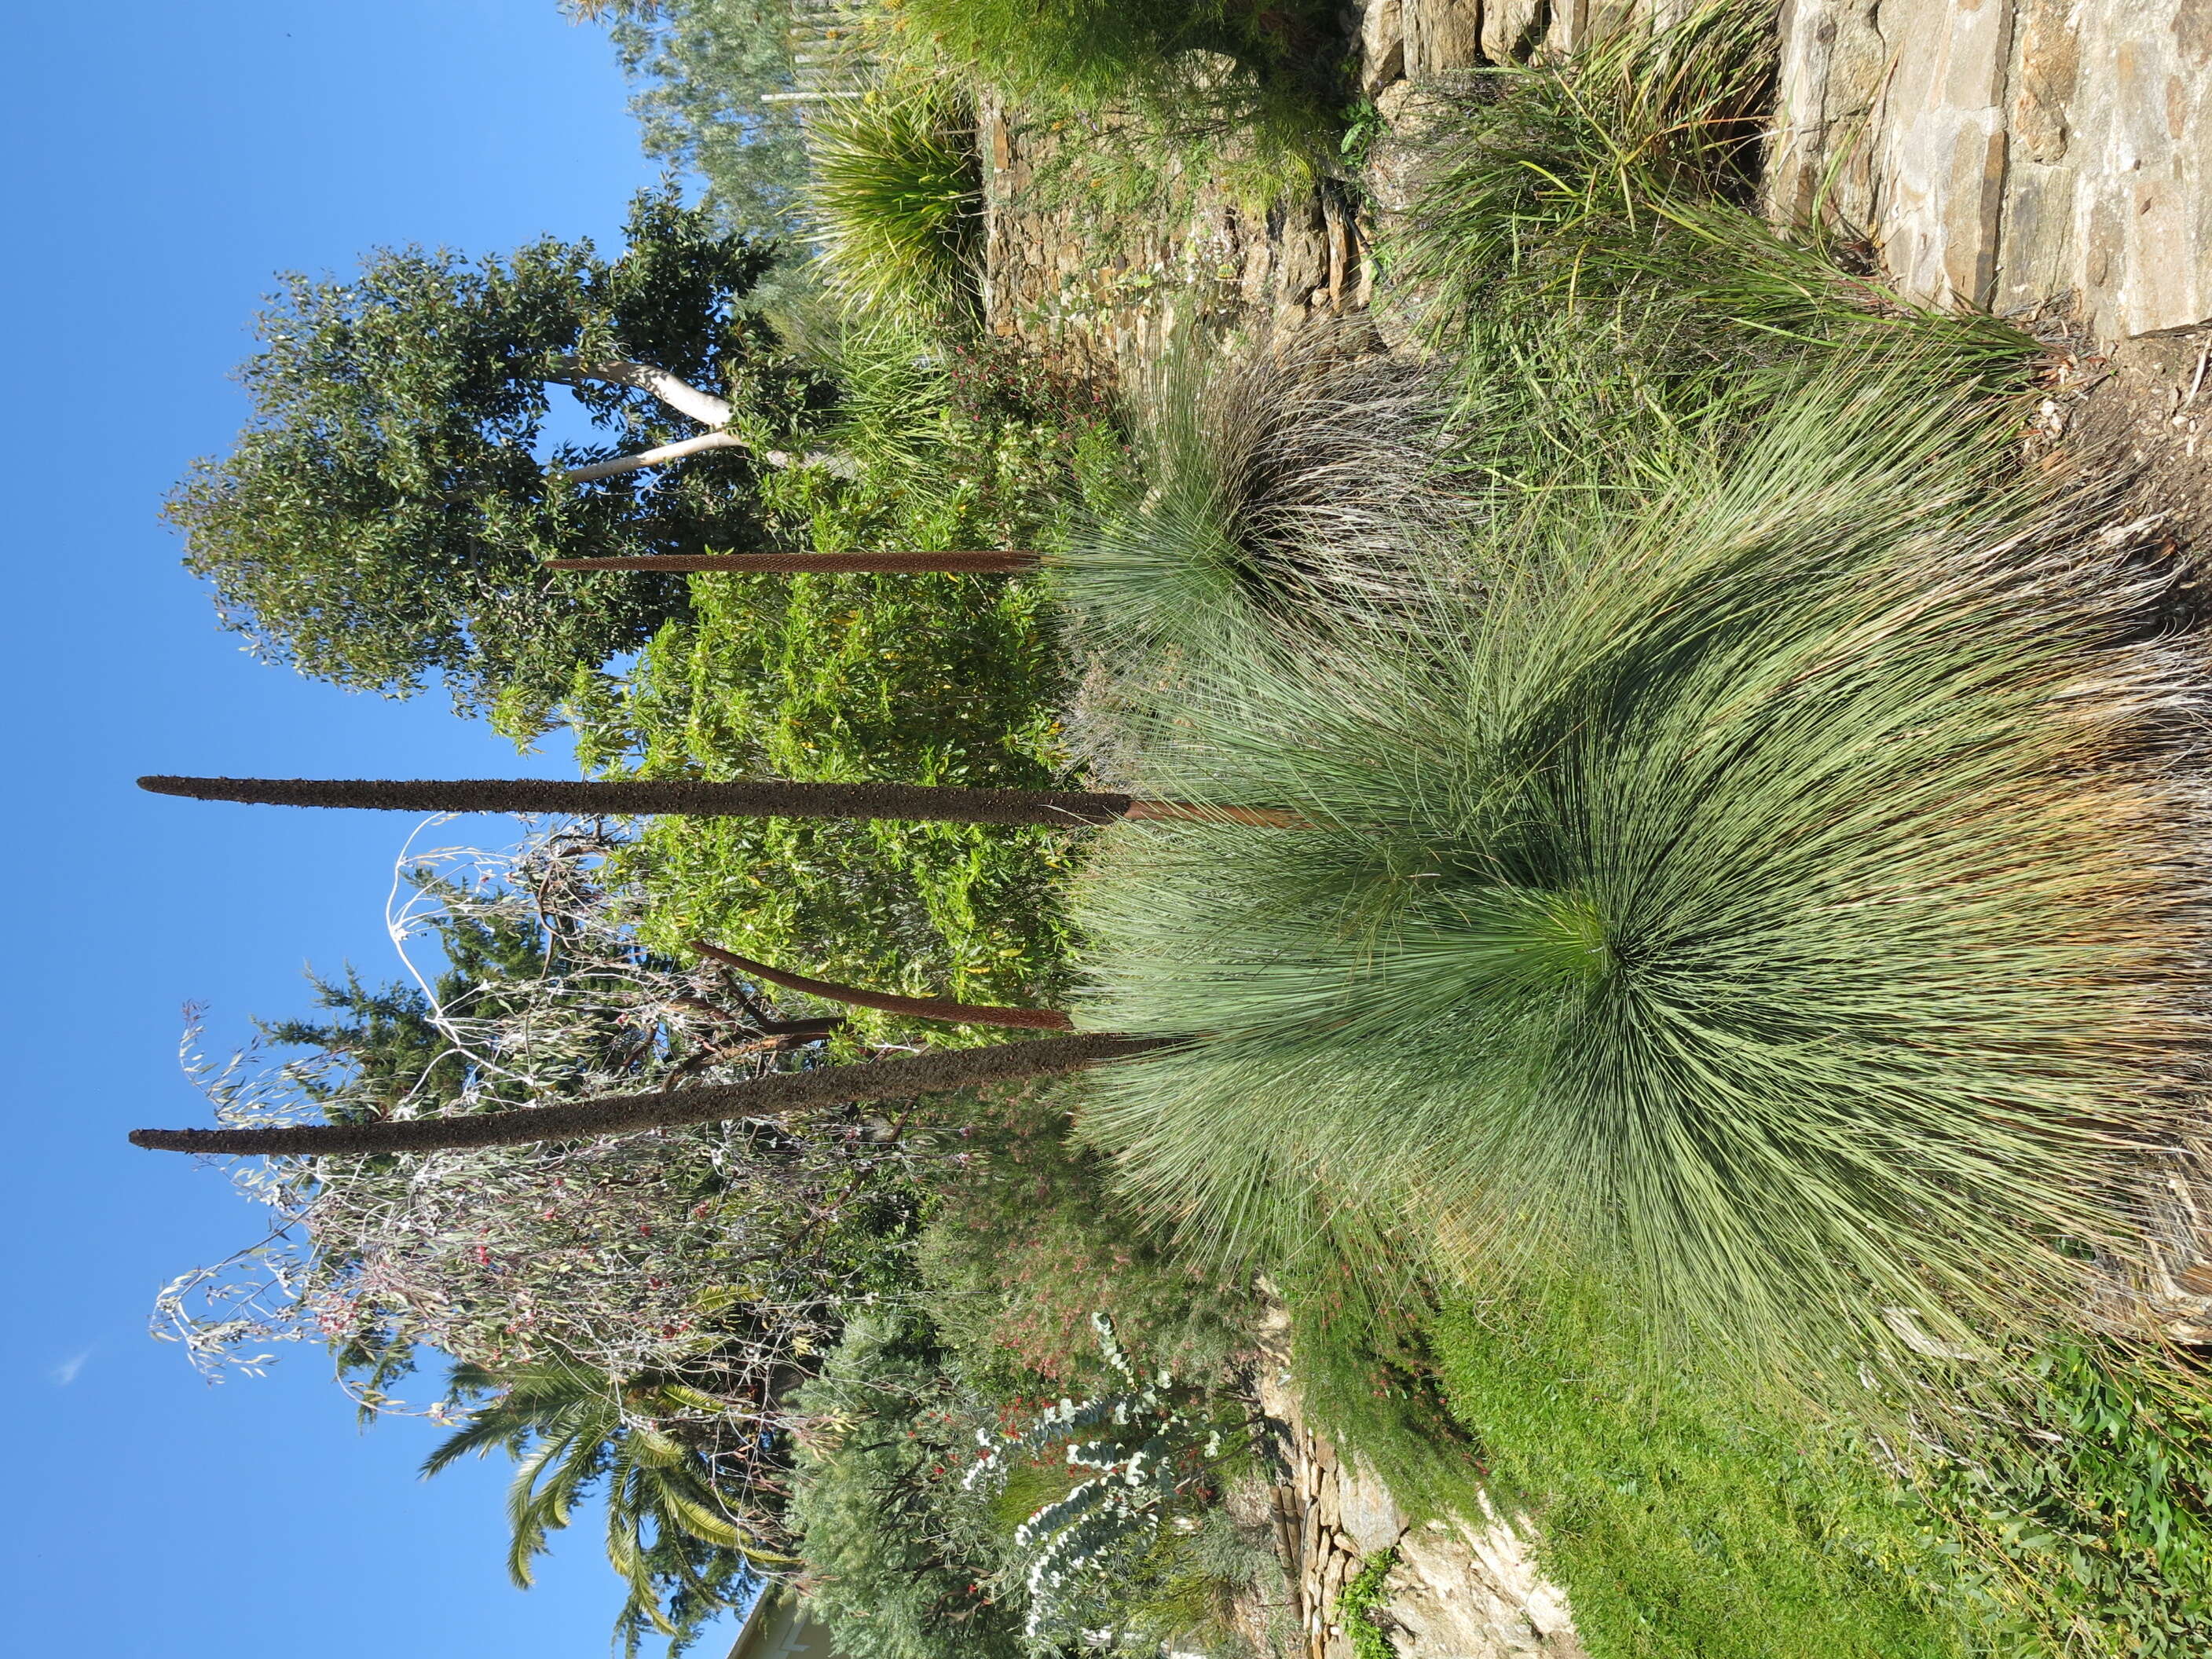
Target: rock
[1367,1513]
[1441,36]
[1472,1591]
[2012,154]
[1382,45]
[1513,29]
[1939,146]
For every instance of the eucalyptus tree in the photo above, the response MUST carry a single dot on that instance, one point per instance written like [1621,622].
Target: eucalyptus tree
[712,89]
[386,516]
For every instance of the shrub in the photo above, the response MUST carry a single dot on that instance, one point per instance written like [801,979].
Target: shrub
[900,1560]
[1108,1559]
[2082,1512]
[926,679]
[1025,1244]
[715,1256]
[896,201]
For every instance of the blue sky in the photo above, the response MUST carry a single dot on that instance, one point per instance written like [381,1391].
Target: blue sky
[166,158]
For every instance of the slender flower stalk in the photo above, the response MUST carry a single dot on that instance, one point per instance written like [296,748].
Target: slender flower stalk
[746,797]
[1002,562]
[952,1013]
[781,1094]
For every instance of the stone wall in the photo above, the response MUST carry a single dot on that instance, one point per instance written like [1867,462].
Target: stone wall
[2010,154]
[2031,157]
[1063,276]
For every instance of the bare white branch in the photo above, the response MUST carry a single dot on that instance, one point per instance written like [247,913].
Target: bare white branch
[659,455]
[677,392]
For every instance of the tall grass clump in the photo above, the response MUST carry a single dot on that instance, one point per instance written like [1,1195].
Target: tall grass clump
[1219,85]
[1768,881]
[1275,488]
[897,202]
[1620,187]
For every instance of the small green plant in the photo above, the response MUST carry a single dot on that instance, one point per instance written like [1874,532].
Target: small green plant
[1361,1600]
[2081,1514]
[896,201]
[1363,127]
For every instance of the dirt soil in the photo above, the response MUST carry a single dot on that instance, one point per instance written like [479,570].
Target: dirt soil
[2141,412]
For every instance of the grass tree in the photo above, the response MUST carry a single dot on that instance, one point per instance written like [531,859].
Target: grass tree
[897,202]
[1770,881]
[655,1450]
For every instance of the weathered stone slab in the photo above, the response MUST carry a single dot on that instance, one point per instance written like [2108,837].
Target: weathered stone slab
[1471,1590]
[1441,36]
[2012,154]
[1513,29]
[2144,112]
[1940,137]
[1833,63]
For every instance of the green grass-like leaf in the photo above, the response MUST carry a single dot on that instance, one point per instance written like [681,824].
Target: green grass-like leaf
[1620,187]
[1768,877]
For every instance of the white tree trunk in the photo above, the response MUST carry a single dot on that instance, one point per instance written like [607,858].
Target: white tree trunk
[657,456]
[677,392]
[841,465]
[690,401]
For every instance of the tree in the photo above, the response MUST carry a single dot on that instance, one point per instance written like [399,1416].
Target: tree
[391,1049]
[703,71]
[386,515]
[661,1452]
[621,1255]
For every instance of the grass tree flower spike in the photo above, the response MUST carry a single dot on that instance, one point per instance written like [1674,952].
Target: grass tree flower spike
[781,1094]
[991,562]
[953,1013]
